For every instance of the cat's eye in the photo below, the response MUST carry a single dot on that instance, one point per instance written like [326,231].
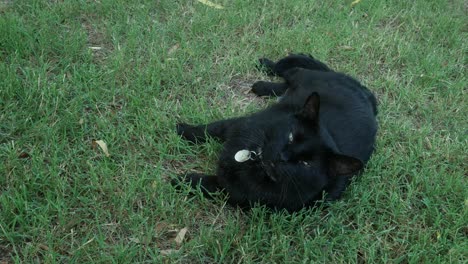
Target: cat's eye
[291,137]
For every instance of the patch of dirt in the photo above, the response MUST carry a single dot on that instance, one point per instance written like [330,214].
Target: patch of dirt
[4,6]
[5,255]
[97,41]
[238,92]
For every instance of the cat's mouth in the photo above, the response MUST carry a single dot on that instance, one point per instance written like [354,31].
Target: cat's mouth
[269,169]
[267,166]
[259,153]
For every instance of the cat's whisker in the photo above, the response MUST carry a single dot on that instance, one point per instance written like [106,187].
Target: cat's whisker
[284,188]
[293,181]
[252,139]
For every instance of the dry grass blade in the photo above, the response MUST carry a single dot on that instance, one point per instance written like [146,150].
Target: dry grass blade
[180,236]
[166,252]
[355,3]
[103,146]
[173,49]
[210,4]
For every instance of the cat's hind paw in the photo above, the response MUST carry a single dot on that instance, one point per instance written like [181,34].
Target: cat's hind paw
[266,66]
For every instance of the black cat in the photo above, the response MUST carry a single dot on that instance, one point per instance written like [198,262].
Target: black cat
[320,133]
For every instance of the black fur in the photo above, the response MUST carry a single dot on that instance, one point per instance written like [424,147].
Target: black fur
[319,135]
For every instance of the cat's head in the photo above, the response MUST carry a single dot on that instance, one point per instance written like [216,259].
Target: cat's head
[295,148]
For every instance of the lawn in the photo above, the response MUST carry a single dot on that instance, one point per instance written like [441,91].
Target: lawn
[77,74]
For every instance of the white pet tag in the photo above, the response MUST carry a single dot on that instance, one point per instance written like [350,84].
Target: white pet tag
[242,155]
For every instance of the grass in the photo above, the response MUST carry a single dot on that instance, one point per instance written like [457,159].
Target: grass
[125,71]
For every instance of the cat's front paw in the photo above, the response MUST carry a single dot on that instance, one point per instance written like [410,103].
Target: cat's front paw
[181,128]
[190,179]
[181,180]
[186,131]
[261,88]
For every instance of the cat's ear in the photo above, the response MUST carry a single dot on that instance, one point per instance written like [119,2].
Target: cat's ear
[344,165]
[311,107]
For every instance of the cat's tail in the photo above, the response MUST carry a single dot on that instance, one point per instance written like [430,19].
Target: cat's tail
[292,61]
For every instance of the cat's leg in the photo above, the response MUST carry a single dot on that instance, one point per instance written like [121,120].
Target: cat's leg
[292,61]
[208,184]
[198,133]
[300,61]
[262,88]
[285,68]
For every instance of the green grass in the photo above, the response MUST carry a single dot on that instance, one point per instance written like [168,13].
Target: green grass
[62,200]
